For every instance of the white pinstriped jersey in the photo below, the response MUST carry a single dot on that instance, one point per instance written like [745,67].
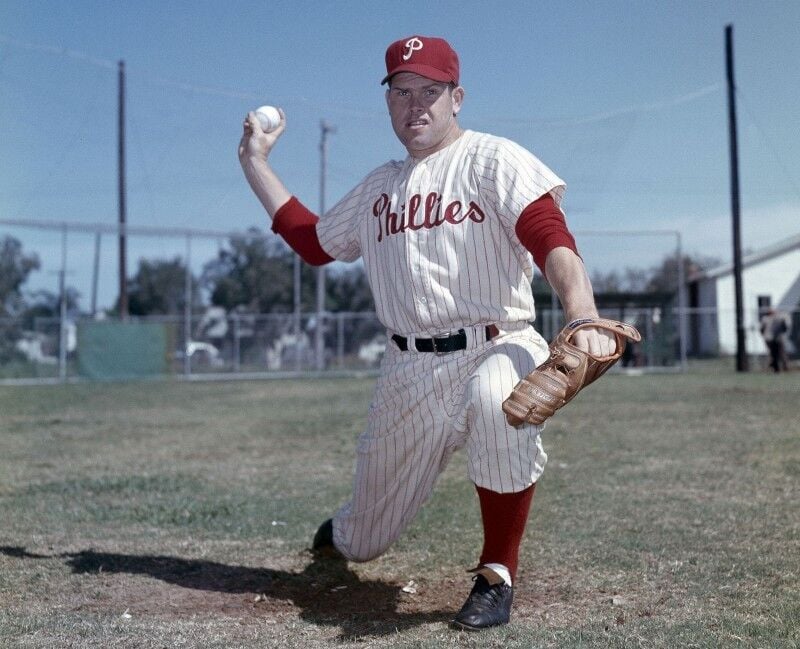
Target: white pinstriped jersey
[437,235]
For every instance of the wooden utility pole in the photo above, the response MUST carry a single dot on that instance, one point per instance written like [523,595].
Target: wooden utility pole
[741,351]
[319,338]
[123,271]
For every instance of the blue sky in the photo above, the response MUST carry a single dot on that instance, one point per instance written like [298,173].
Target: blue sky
[624,100]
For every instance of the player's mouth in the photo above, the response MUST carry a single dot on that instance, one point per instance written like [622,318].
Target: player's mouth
[417,123]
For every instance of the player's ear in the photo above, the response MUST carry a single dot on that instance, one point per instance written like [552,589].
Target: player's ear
[458,99]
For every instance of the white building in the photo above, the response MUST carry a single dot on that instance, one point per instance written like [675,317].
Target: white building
[770,277]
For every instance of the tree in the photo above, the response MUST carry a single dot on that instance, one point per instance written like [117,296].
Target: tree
[15,266]
[257,274]
[348,290]
[159,287]
[45,304]
[665,276]
[662,278]
[606,282]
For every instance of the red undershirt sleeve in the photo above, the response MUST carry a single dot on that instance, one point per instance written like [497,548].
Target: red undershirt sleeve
[541,228]
[297,225]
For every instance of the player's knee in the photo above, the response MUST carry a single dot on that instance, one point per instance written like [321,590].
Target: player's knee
[364,552]
[362,555]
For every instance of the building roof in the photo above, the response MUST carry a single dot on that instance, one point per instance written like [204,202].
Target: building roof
[751,259]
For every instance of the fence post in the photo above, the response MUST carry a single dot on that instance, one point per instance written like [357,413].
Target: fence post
[236,343]
[187,309]
[682,303]
[340,339]
[653,314]
[62,289]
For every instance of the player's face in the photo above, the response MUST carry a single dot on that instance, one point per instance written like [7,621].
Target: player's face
[423,113]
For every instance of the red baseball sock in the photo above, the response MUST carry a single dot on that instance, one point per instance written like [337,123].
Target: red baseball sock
[504,517]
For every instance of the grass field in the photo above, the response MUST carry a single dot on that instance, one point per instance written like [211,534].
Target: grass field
[172,514]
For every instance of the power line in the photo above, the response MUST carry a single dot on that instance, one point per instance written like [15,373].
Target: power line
[234,93]
[61,51]
[618,112]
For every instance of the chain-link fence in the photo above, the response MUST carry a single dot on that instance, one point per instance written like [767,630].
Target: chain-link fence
[215,344]
[208,341]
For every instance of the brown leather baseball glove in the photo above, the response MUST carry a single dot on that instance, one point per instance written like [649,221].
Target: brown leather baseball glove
[568,370]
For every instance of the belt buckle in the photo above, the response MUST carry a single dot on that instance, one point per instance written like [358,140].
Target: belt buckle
[436,350]
[461,333]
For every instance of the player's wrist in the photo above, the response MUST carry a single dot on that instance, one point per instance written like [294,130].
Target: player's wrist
[583,314]
[574,322]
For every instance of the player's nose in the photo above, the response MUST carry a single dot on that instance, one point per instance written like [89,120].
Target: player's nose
[416,102]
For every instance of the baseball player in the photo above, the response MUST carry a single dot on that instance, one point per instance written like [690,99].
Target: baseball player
[448,237]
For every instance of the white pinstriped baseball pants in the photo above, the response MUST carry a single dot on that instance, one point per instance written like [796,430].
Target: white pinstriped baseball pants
[425,407]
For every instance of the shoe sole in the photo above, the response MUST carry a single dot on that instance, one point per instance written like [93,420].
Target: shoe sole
[460,626]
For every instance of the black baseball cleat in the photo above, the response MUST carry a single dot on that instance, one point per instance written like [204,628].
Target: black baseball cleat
[322,545]
[486,606]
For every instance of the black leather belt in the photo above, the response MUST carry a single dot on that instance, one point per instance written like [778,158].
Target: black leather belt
[452,343]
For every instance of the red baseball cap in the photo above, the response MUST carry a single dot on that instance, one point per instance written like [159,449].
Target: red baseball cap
[426,56]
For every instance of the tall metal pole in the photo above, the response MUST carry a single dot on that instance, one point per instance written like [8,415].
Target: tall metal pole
[319,338]
[741,352]
[123,271]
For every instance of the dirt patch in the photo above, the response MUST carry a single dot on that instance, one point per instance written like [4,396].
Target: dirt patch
[340,600]
[319,594]
[322,591]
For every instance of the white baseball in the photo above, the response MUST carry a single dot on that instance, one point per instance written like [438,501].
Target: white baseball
[268,117]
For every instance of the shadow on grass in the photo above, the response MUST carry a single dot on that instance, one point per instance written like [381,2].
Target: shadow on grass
[327,592]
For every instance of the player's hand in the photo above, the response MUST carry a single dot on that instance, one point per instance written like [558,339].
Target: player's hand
[255,143]
[597,342]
